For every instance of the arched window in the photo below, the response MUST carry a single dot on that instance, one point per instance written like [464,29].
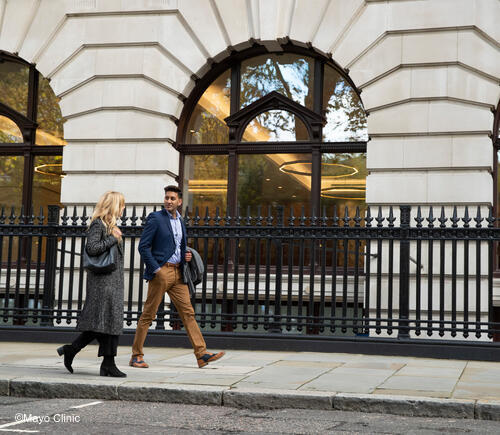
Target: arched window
[31,138]
[274,128]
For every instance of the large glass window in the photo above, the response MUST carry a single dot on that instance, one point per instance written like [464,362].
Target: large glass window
[31,138]
[269,114]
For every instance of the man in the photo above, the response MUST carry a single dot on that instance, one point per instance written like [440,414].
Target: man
[163,250]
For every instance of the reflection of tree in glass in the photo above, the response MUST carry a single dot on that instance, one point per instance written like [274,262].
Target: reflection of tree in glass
[276,125]
[287,74]
[49,115]
[345,115]
[355,160]
[14,86]
[9,131]
[211,130]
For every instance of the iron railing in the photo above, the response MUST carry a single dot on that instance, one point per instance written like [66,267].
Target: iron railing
[369,275]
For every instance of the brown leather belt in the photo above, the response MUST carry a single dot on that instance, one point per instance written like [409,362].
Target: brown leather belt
[177,265]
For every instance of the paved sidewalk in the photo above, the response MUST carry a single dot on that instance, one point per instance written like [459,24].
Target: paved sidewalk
[257,379]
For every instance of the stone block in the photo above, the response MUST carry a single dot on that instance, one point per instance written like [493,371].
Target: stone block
[337,17]
[4,387]
[430,47]
[476,51]
[404,405]
[487,410]
[55,388]
[234,16]
[277,399]
[186,394]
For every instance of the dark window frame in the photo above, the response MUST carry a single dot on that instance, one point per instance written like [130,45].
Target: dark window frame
[239,118]
[28,126]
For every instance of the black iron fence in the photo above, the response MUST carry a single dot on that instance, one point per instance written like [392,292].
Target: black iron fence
[380,273]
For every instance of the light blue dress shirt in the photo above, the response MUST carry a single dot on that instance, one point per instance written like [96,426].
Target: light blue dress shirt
[177,230]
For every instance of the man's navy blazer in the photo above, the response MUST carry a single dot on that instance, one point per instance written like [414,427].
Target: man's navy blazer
[157,243]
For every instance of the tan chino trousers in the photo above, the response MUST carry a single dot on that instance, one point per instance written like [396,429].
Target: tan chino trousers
[168,279]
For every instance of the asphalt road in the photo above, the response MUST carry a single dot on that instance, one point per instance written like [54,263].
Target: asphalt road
[83,416]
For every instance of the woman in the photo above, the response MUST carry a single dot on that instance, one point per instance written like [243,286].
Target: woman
[102,314]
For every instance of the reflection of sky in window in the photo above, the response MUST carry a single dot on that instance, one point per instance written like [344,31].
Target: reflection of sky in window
[261,79]
[337,119]
[274,125]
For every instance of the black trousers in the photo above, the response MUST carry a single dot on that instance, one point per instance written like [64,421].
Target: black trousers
[108,343]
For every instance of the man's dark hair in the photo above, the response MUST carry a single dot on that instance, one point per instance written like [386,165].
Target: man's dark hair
[172,188]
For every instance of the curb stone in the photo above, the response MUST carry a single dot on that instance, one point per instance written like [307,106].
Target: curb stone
[405,405]
[52,389]
[4,387]
[187,394]
[274,399]
[411,406]
[487,410]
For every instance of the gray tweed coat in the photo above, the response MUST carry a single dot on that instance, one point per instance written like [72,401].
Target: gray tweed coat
[103,309]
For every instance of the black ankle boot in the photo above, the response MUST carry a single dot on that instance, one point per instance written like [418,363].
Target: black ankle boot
[108,368]
[69,354]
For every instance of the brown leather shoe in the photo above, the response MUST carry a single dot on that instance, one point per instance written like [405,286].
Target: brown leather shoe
[209,357]
[137,361]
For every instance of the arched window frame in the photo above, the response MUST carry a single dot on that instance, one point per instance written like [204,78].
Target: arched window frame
[28,125]
[239,118]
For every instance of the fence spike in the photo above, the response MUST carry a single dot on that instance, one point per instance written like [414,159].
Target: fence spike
[357,218]
[197,217]
[12,216]
[217,218]
[187,218]
[31,216]
[260,218]
[22,217]
[206,219]
[291,219]
[133,219]
[442,219]
[491,219]
[237,217]
[380,219]
[419,219]
[466,219]
[65,217]
[368,217]
[391,217]
[40,217]
[324,217]
[2,216]
[346,217]
[478,217]
[154,208]
[143,217]
[74,217]
[302,220]
[454,218]
[249,218]
[431,218]
[335,217]
[227,218]
[124,217]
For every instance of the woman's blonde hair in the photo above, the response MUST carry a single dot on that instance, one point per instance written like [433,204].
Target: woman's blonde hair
[108,209]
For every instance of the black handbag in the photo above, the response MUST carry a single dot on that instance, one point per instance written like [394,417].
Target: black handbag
[102,263]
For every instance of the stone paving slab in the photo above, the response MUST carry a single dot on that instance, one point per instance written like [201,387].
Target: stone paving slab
[368,383]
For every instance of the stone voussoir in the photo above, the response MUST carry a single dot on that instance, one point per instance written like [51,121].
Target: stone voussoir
[412,406]
[487,410]
[274,399]
[52,388]
[170,393]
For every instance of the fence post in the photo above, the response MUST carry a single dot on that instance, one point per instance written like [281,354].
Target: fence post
[49,281]
[404,272]
[276,325]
